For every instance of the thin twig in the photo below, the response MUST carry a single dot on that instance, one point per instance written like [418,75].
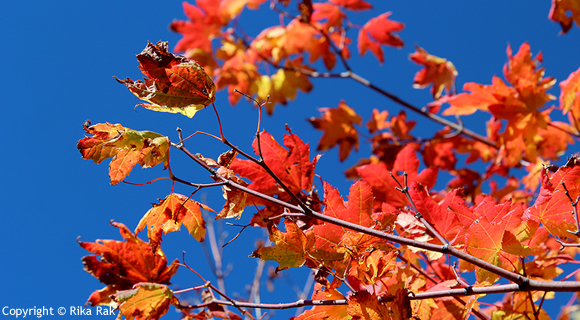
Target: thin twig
[405,190]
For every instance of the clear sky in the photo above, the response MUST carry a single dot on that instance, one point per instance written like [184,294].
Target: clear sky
[57,63]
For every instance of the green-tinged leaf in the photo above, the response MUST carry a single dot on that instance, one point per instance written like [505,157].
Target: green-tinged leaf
[127,147]
[174,83]
[146,301]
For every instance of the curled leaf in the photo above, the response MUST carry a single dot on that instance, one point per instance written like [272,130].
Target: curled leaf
[127,147]
[168,216]
[174,83]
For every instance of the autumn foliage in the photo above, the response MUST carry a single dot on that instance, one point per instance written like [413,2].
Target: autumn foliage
[391,247]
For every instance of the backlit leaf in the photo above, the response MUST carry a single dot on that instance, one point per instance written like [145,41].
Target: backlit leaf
[122,264]
[168,216]
[291,249]
[173,83]
[337,312]
[338,126]
[365,305]
[127,147]
[437,72]
[379,31]
[565,12]
[147,301]
[570,98]
[293,165]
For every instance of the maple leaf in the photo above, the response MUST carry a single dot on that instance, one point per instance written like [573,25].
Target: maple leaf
[280,42]
[281,87]
[123,264]
[329,12]
[438,71]
[168,216]
[291,249]
[174,83]
[206,21]
[365,305]
[487,228]
[519,105]
[292,165]
[570,98]
[338,126]
[378,121]
[553,141]
[383,185]
[552,207]
[374,266]
[559,10]
[437,214]
[235,199]
[337,312]
[127,147]
[329,236]
[378,31]
[239,70]
[146,301]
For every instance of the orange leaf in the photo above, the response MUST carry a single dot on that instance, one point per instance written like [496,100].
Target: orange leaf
[169,215]
[238,71]
[365,305]
[559,13]
[127,147]
[338,126]
[378,121]
[122,264]
[174,83]
[438,71]
[235,199]
[337,312]
[484,238]
[291,249]
[378,31]
[146,301]
[570,98]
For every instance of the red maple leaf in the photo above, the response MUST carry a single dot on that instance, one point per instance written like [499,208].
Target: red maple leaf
[206,20]
[358,211]
[122,264]
[437,214]
[490,231]
[383,185]
[337,312]
[378,31]
[292,165]
[552,207]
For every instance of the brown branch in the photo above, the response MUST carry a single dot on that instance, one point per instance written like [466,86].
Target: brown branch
[470,291]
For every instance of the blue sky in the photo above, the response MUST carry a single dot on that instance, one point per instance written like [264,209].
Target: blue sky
[58,60]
